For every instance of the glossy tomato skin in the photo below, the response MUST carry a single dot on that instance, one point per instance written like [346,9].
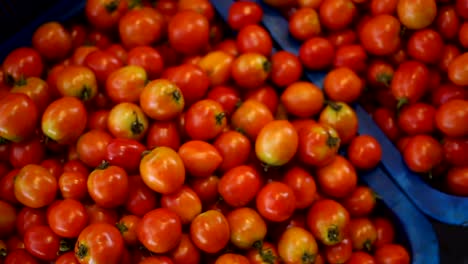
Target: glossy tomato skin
[125,153]
[343,84]
[364,152]
[317,53]
[254,38]
[338,178]
[455,150]
[417,118]
[163,134]
[108,186]
[303,185]
[337,14]
[360,257]
[22,62]
[250,117]
[92,145]
[141,199]
[392,253]
[250,70]
[276,201]
[105,14]
[339,253]
[188,27]
[423,153]
[161,100]
[410,82]
[19,117]
[41,242]
[386,120]
[126,84]
[278,134]
[362,233]
[426,45]
[67,218]
[380,35]
[297,245]
[27,152]
[205,120]
[309,104]
[457,180]
[102,63]
[247,227]
[209,231]
[185,252]
[342,117]
[360,202]
[67,258]
[217,65]
[239,185]
[127,120]
[72,184]
[141,26]
[18,256]
[416,14]
[242,14]
[28,217]
[318,144]
[450,118]
[35,186]
[184,202]
[52,41]
[37,89]
[201,159]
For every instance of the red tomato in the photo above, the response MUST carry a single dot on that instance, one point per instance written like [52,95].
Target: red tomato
[386,120]
[185,252]
[37,89]
[286,68]
[267,254]
[304,24]
[239,185]
[67,218]
[42,243]
[242,14]
[318,144]
[276,201]
[455,150]
[342,84]
[337,14]
[342,118]
[250,70]
[209,231]
[147,58]
[450,118]
[127,120]
[278,134]
[338,178]
[297,245]
[141,26]
[126,84]
[362,233]
[308,104]
[73,184]
[217,65]
[361,202]
[184,202]
[77,81]
[163,134]
[102,63]
[456,70]
[317,53]
[392,254]
[250,117]
[161,100]
[35,186]
[108,185]
[447,21]
[234,149]
[247,228]
[379,74]
[125,153]
[416,14]
[380,35]
[303,185]
[266,95]
[52,41]
[188,27]
[228,96]
[423,153]
[22,62]
[228,258]
[141,199]
[19,117]
[425,45]
[67,258]
[410,82]
[203,7]
[200,158]
[457,180]
[206,189]
[99,243]
[8,220]
[160,230]
[364,152]
[360,257]
[28,217]
[26,152]
[449,53]
[339,253]
[92,145]
[105,14]
[254,38]
[379,7]
[205,120]
[417,118]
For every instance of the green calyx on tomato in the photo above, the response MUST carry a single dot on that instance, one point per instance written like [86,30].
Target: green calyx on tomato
[86,93]
[82,252]
[333,234]
[219,118]
[384,78]
[368,245]
[402,102]
[104,165]
[122,227]
[308,258]
[3,252]
[267,66]
[21,81]
[112,6]
[4,141]
[177,96]
[137,127]
[267,256]
[134,4]
[64,246]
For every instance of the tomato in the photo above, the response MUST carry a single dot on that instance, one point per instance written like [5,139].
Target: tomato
[360,257]
[18,256]
[447,21]
[200,158]
[304,24]
[379,7]
[338,178]
[250,117]
[37,89]
[127,120]
[449,53]
[184,202]
[276,201]
[266,254]
[380,35]
[303,185]
[254,39]
[352,56]
[386,120]
[192,80]
[422,153]
[462,8]
[278,134]
[328,221]
[228,96]
[21,63]
[141,199]
[217,65]
[92,145]
[239,185]
[108,185]
[416,14]
[203,7]
[141,26]
[52,41]
[339,253]
[99,243]
[19,117]
[161,100]
[457,70]
[156,260]
[242,14]
[188,27]
[342,84]
[450,118]
[126,84]
[125,153]
[163,133]
[308,104]
[105,14]
[185,252]
[209,231]
[379,74]
[360,202]
[77,81]
[102,63]
[337,14]
[206,189]
[417,118]
[250,70]
[234,149]
[42,243]
[67,258]
[286,68]
[362,233]
[342,118]
[27,152]
[364,152]
[67,218]
[342,37]
[8,220]
[392,253]
[247,228]
[297,245]
[205,120]
[385,231]
[78,57]
[317,53]
[35,186]
[72,184]
[318,144]
[457,180]
[148,59]
[162,170]
[27,217]
[455,150]
[425,45]
[409,82]
[231,258]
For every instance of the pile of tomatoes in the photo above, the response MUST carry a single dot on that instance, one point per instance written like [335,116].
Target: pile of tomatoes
[146,132]
[407,62]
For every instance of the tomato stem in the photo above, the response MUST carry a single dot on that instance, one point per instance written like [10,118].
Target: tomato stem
[219,118]
[134,3]
[112,6]
[9,79]
[334,105]
[266,66]
[122,227]
[136,126]
[3,252]
[21,81]
[384,78]
[177,96]
[104,165]
[258,244]
[64,246]
[85,93]
[332,141]
[267,256]
[4,141]
[367,245]
[402,102]
[308,258]
[82,251]
[333,234]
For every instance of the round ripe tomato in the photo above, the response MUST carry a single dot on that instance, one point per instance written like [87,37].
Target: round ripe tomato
[8,220]
[126,84]
[364,152]
[206,189]
[266,254]
[337,14]
[67,218]
[297,245]
[416,14]
[228,46]
[27,152]
[19,116]
[228,96]
[361,202]
[102,63]
[209,231]
[123,152]
[188,27]
[99,243]
[337,179]
[217,65]
[118,51]
[303,185]
[92,145]
[342,118]
[200,158]
[105,14]
[22,62]
[449,53]
[64,120]
[27,217]
[339,253]
[160,230]
[192,80]
[342,84]
[250,117]
[277,134]
[266,95]
[309,3]
[250,70]
[185,252]
[328,221]
[234,149]
[79,55]
[97,214]
[410,82]
[276,202]
[108,185]
[450,118]
[425,45]
[147,58]
[362,233]
[360,257]
[77,81]
[52,41]
[308,104]
[286,68]
[254,39]
[141,26]
[41,242]
[317,53]
[342,37]
[162,170]
[455,150]
[72,185]
[457,71]
[447,21]
[161,100]
[457,180]
[127,120]
[423,153]
[239,185]
[231,258]
[140,199]
[184,202]
[204,120]
[318,144]
[392,254]
[203,7]
[247,227]
[380,7]
[163,134]
[20,255]
[242,14]
[379,74]
[37,89]
[380,35]
[35,186]
[304,24]
[417,118]
[386,120]
[67,258]
[352,56]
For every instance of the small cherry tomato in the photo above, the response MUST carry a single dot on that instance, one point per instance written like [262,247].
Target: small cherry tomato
[276,202]
[364,152]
